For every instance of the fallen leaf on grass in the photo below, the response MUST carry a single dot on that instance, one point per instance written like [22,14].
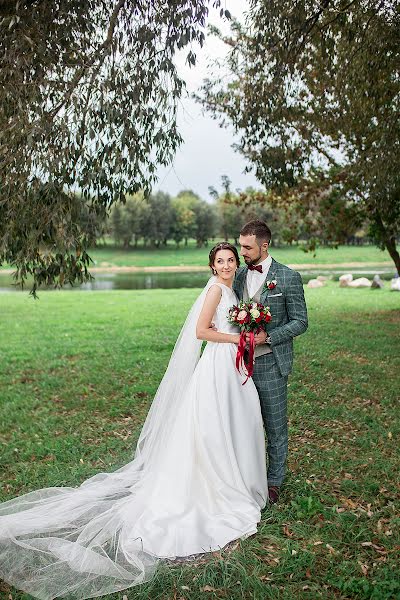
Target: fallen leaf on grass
[208,588]
[379,549]
[348,502]
[308,574]
[330,548]
[287,531]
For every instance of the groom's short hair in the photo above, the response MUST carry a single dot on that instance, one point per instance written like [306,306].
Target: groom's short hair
[258,228]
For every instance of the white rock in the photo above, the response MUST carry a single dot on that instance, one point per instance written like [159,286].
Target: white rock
[360,282]
[315,283]
[344,280]
[395,284]
[377,283]
[322,278]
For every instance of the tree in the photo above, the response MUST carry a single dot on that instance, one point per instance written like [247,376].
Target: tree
[89,94]
[206,222]
[138,212]
[230,215]
[128,219]
[235,209]
[205,217]
[183,221]
[228,212]
[314,93]
[158,224]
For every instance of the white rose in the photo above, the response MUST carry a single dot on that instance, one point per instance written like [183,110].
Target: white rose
[242,315]
[255,313]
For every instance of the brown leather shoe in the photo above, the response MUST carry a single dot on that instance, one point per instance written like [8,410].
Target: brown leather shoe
[273,493]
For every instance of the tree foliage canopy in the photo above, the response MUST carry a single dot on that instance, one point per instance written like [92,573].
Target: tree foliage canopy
[89,94]
[314,91]
[158,218]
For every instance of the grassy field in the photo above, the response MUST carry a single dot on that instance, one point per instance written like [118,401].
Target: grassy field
[78,374]
[171,256]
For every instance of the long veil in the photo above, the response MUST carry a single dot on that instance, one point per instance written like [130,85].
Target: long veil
[78,540]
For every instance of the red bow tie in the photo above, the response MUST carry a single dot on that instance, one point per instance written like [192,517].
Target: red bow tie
[256,268]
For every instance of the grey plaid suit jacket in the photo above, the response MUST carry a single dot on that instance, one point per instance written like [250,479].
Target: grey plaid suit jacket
[288,310]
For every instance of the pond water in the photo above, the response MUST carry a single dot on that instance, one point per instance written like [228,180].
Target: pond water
[171,280]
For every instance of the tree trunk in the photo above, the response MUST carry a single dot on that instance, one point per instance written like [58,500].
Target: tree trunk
[389,241]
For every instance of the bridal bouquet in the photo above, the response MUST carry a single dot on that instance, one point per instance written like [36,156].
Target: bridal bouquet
[251,317]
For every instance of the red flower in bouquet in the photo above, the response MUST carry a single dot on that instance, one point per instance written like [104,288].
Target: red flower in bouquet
[251,317]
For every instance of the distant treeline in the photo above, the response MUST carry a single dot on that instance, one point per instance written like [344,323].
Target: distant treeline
[160,218]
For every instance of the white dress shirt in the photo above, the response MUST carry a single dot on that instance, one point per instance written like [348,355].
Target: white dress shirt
[255,279]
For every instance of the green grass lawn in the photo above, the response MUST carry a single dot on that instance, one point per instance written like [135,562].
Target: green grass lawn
[78,371]
[171,256]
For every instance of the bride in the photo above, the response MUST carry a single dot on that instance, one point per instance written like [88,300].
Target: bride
[197,480]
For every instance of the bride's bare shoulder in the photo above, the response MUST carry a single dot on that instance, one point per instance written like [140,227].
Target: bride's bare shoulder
[211,301]
[214,292]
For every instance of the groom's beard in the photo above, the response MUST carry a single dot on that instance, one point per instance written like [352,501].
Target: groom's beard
[253,261]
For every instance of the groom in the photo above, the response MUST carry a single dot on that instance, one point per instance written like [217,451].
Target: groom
[280,288]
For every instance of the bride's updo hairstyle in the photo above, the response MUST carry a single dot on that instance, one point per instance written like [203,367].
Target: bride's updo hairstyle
[222,246]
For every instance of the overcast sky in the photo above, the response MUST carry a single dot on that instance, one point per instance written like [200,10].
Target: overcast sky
[206,153]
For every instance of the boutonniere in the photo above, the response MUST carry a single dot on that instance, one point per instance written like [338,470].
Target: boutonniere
[270,284]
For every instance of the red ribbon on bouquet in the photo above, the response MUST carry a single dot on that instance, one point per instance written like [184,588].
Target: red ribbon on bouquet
[241,362]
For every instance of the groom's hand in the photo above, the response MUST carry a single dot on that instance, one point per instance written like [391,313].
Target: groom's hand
[259,338]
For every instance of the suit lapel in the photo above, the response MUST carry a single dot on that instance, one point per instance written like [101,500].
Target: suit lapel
[239,282]
[272,274]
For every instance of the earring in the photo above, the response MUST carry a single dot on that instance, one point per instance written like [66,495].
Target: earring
[214,272]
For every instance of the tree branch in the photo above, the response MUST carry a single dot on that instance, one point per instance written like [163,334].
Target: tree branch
[338,13]
[99,53]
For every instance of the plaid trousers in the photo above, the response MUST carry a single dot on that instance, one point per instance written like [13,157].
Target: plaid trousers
[272,390]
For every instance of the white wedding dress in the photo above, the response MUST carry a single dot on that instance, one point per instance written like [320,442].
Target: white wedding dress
[197,481]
